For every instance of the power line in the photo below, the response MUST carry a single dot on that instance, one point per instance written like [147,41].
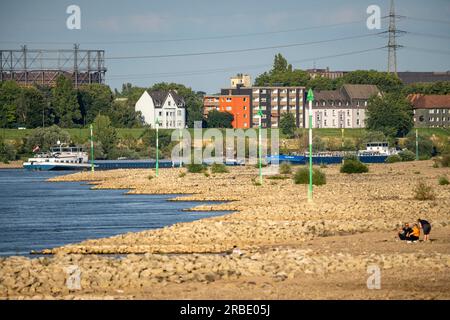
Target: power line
[240,50]
[427,20]
[229,36]
[217,70]
[429,50]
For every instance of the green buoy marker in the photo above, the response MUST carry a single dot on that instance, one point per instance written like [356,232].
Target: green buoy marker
[92,148]
[310,99]
[157,146]
[260,114]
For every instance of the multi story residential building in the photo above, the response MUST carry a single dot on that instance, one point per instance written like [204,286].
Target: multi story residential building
[343,108]
[273,101]
[166,107]
[239,107]
[210,102]
[431,111]
[243,80]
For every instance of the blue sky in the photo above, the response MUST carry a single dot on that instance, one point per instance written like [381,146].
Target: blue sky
[107,24]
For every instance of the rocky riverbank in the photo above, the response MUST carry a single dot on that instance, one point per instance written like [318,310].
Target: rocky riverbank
[12,165]
[285,241]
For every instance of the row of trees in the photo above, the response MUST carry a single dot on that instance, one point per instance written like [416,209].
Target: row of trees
[62,105]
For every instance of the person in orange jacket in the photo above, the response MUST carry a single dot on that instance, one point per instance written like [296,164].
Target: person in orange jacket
[414,234]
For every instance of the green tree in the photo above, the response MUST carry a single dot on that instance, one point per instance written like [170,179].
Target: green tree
[282,73]
[30,105]
[106,135]
[385,81]
[287,124]
[94,99]
[9,94]
[390,114]
[46,137]
[65,103]
[124,116]
[217,119]
[441,87]
[321,83]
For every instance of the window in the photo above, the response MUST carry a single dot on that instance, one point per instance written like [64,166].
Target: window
[323,103]
[340,103]
[179,113]
[245,124]
[160,113]
[432,111]
[334,123]
[325,122]
[348,122]
[334,113]
[245,116]
[245,99]
[357,103]
[228,99]
[348,112]
[168,102]
[228,108]
[245,107]
[357,122]
[325,113]
[365,103]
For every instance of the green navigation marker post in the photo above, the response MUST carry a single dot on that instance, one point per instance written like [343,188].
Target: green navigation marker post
[92,148]
[181,147]
[417,145]
[157,146]
[260,114]
[310,99]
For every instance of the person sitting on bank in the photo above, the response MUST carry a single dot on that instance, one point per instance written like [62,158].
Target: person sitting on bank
[402,233]
[426,227]
[414,235]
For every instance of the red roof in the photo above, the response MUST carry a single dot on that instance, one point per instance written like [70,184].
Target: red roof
[431,101]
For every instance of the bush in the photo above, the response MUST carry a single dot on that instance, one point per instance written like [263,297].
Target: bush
[7,152]
[444,160]
[351,156]
[352,166]
[196,168]
[443,181]
[219,168]
[393,158]
[302,177]
[285,168]
[422,191]
[407,155]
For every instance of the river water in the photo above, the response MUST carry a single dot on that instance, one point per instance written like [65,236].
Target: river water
[36,214]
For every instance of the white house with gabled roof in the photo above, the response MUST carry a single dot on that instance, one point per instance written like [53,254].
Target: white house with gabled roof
[165,106]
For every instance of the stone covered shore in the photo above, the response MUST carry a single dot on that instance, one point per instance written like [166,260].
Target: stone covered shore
[285,241]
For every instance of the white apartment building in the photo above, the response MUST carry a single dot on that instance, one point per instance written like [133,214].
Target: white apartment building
[344,108]
[165,106]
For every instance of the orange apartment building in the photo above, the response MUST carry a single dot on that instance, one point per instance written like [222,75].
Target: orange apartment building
[237,105]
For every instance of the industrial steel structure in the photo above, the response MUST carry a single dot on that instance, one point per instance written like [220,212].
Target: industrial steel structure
[43,66]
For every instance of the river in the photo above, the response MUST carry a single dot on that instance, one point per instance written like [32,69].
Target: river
[36,214]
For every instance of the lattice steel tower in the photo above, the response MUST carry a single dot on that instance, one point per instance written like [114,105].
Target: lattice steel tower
[392,43]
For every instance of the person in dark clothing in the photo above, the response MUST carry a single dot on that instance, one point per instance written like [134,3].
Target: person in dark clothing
[403,233]
[426,227]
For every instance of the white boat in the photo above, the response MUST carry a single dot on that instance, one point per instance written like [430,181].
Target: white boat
[60,157]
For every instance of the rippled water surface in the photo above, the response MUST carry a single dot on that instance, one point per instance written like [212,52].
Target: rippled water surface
[35,214]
